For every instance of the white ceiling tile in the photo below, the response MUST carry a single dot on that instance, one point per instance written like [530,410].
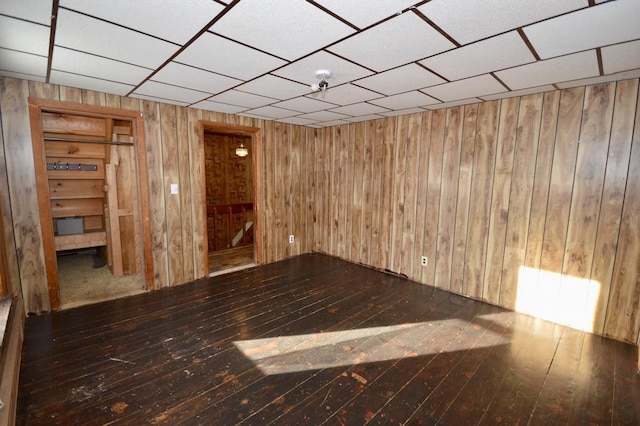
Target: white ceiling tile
[250,115]
[331,123]
[95,66]
[468,88]
[471,20]
[295,120]
[599,80]
[91,35]
[304,70]
[621,57]
[273,112]
[345,95]
[564,68]
[274,87]
[194,78]
[286,28]
[173,20]
[161,100]
[166,91]
[503,51]
[522,92]
[24,36]
[226,57]
[82,82]
[218,107]
[304,104]
[398,80]
[32,10]
[362,108]
[24,63]
[363,13]
[247,100]
[405,38]
[21,76]
[454,103]
[324,116]
[607,23]
[402,112]
[405,101]
[364,118]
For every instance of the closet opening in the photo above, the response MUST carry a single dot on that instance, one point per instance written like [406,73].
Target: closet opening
[93,199]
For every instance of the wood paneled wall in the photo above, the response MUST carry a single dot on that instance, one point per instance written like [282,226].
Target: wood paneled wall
[541,188]
[173,156]
[534,198]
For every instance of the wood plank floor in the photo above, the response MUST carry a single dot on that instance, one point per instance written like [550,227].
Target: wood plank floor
[316,340]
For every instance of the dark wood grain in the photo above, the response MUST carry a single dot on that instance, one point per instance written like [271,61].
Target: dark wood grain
[317,340]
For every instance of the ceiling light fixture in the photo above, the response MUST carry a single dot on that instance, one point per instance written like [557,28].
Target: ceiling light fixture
[323,76]
[241,150]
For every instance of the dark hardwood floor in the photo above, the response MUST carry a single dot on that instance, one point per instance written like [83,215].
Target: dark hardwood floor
[315,340]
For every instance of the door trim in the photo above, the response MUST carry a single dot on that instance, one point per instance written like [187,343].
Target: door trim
[36,106]
[256,164]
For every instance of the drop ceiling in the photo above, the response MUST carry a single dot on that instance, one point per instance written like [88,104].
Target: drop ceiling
[258,58]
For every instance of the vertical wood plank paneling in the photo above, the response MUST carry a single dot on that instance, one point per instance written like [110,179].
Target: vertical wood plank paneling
[22,187]
[155,175]
[112,101]
[326,176]
[464,192]
[436,153]
[171,172]
[387,195]
[562,174]
[70,94]
[184,172]
[527,136]
[197,191]
[90,97]
[544,161]
[285,183]
[448,196]
[399,178]
[335,191]
[12,272]
[409,263]
[481,185]
[423,181]
[43,91]
[311,189]
[364,249]
[268,177]
[623,313]
[585,201]
[356,200]
[500,199]
[626,97]
[320,200]
[343,186]
[376,184]
[297,187]
[279,218]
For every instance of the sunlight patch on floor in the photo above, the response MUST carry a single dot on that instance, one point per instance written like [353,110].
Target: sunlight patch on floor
[287,354]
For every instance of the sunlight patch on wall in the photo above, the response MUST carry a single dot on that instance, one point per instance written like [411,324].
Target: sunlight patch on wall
[287,354]
[562,299]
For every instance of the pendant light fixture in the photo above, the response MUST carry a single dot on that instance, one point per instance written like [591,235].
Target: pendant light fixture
[241,150]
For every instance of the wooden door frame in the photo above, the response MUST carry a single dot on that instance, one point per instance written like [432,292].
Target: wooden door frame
[256,164]
[36,106]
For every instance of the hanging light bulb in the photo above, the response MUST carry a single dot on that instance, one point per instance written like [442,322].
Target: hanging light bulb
[323,75]
[241,150]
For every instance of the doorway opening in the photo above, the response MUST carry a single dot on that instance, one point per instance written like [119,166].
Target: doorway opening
[230,187]
[93,201]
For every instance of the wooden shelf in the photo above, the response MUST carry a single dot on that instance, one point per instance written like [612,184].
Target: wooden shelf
[76,241]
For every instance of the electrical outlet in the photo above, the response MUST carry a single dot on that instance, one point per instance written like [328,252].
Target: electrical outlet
[291,239]
[424,261]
